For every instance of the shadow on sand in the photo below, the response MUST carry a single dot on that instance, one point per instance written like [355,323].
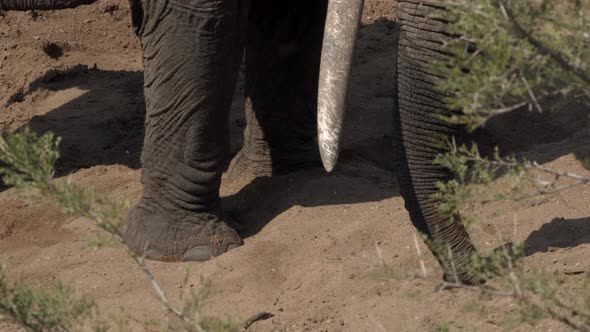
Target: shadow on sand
[103,125]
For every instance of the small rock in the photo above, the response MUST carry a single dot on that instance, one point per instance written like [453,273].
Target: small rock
[52,50]
[110,8]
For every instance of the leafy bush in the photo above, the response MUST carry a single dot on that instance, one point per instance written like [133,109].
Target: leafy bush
[508,55]
[27,163]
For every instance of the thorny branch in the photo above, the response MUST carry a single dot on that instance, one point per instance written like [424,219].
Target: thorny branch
[140,261]
[479,114]
[530,91]
[36,173]
[545,188]
[516,292]
[14,315]
[541,47]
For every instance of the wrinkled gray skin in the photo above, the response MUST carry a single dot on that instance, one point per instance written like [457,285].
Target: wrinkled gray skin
[191,53]
[41,4]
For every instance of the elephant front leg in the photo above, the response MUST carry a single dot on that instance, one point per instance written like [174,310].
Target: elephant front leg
[191,53]
[282,69]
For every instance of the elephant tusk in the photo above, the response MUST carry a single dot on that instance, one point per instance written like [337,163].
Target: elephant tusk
[342,24]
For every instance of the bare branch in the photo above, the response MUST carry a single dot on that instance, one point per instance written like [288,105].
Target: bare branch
[419,252]
[531,93]
[140,261]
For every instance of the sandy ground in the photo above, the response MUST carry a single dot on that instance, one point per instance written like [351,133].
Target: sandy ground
[310,256]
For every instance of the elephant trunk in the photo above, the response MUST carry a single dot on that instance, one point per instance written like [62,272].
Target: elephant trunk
[342,24]
[23,5]
[418,131]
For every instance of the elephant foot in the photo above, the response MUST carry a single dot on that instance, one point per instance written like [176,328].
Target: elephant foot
[192,238]
[259,164]
[249,165]
[483,269]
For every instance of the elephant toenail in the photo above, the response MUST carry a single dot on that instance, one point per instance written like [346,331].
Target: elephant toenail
[198,254]
[233,246]
[154,255]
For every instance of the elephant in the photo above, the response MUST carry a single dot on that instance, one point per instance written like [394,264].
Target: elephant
[297,58]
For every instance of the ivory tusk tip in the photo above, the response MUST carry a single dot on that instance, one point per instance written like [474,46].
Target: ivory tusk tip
[329,161]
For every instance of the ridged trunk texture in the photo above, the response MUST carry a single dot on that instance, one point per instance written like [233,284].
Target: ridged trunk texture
[418,133]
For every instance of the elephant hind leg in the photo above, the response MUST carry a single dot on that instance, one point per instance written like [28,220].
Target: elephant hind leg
[191,53]
[283,51]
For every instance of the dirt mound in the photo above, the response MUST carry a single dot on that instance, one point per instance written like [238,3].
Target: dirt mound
[311,258]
